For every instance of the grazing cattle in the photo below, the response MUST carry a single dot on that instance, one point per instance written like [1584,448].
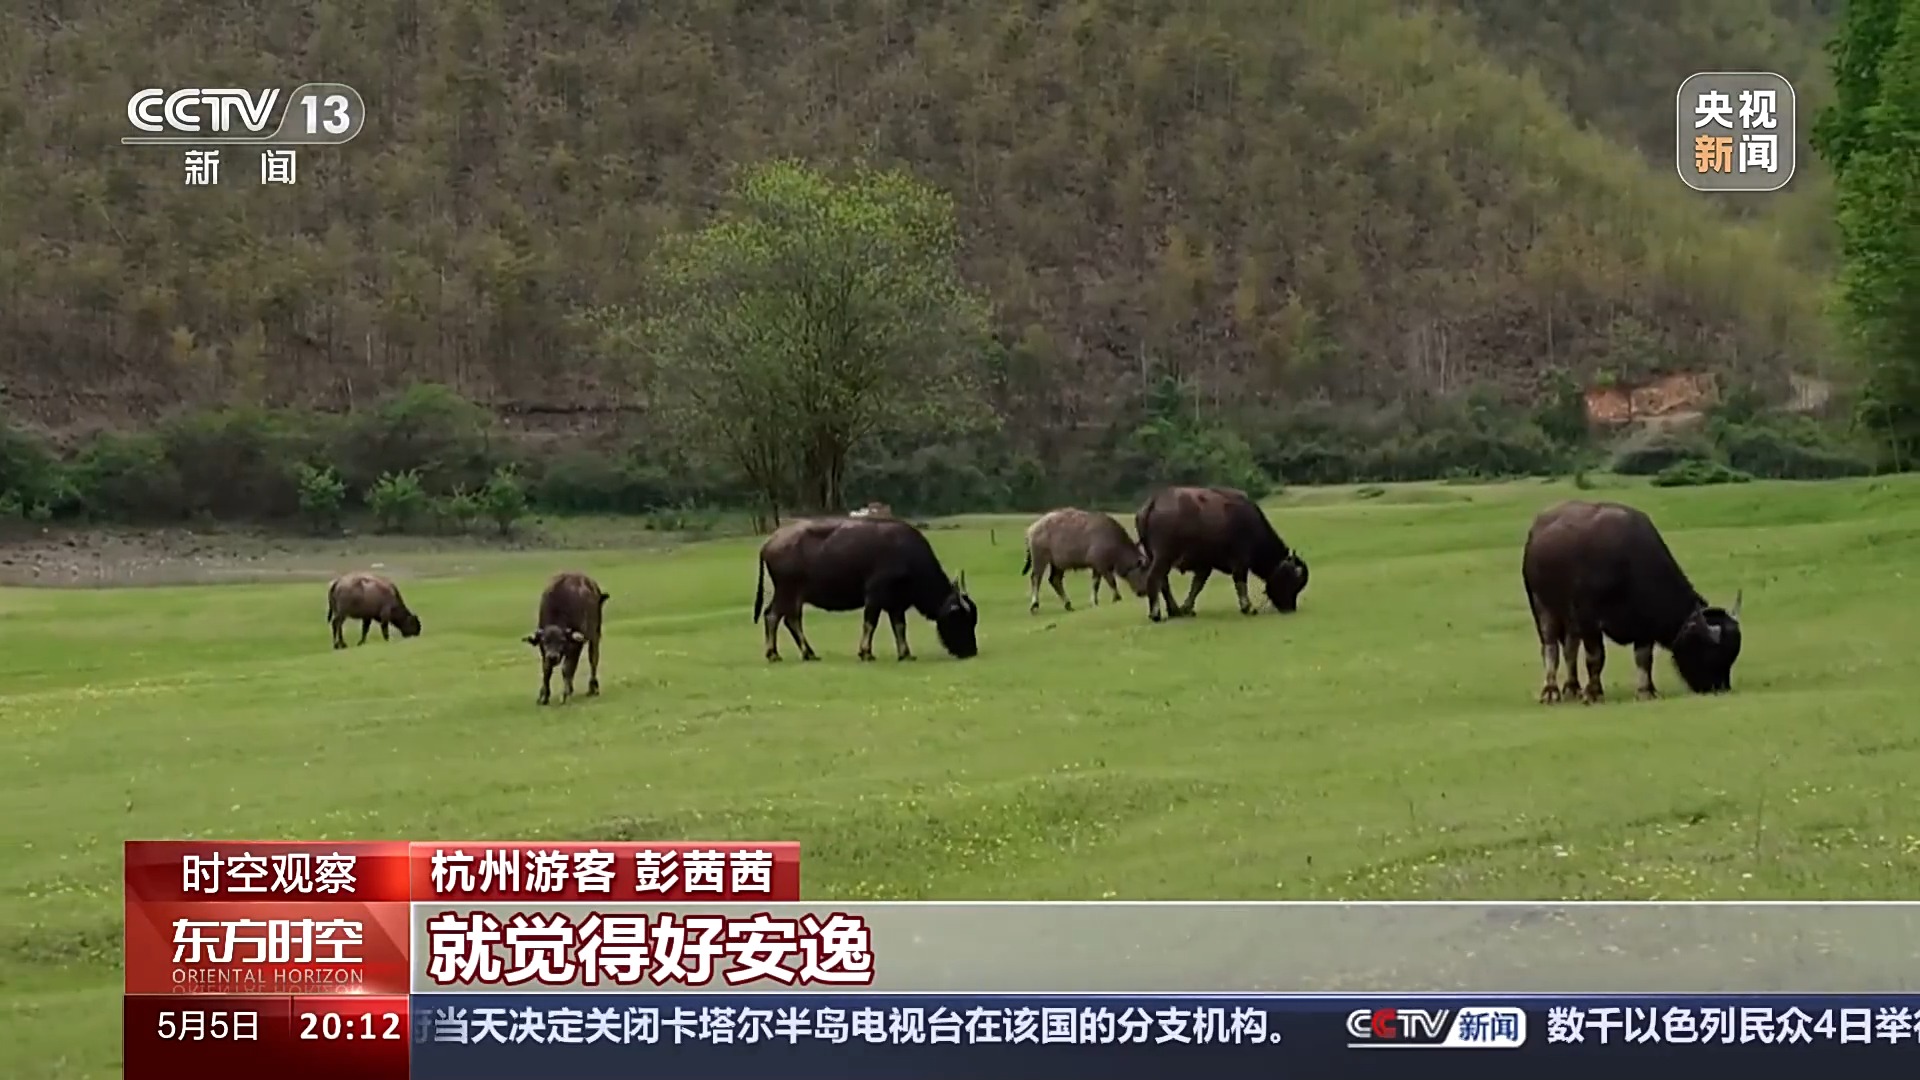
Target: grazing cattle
[871,563]
[1070,539]
[570,610]
[1201,530]
[371,599]
[1601,570]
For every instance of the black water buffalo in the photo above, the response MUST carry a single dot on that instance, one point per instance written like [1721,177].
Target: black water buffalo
[1201,530]
[1595,570]
[571,607]
[874,564]
[371,599]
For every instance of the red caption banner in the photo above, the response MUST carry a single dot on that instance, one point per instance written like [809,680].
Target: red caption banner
[295,957]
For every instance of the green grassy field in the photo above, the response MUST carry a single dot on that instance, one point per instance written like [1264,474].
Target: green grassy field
[1383,743]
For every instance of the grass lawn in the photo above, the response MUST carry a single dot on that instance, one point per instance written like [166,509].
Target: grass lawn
[1383,743]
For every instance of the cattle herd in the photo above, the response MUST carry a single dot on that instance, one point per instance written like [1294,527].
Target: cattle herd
[1593,572]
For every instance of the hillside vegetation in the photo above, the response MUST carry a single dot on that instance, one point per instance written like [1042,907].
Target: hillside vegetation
[1352,200]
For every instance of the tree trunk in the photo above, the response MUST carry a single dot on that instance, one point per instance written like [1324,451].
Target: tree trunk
[836,466]
[823,468]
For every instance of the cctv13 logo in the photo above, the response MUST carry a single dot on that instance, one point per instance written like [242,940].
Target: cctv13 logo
[1480,1027]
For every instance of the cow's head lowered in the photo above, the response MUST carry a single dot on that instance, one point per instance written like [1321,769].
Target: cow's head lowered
[555,643]
[406,621]
[1287,582]
[956,620]
[1132,566]
[1707,646]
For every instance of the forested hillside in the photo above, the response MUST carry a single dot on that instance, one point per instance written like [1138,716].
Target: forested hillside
[1348,201]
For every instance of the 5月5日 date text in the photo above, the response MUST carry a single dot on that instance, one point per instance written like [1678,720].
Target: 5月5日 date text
[207,1025]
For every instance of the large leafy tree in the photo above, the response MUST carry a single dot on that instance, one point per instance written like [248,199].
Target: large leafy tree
[1871,135]
[812,313]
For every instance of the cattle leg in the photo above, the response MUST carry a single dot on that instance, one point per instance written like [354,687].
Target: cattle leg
[798,633]
[1098,577]
[1058,579]
[1550,660]
[899,620]
[1240,590]
[1570,651]
[1548,630]
[1200,577]
[366,625]
[869,622]
[593,667]
[546,683]
[1157,588]
[773,630]
[1643,662]
[1166,596]
[339,640]
[567,667]
[384,635]
[1596,647]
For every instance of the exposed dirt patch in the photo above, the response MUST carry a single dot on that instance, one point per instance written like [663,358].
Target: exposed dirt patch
[61,557]
[1683,398]
[100,558]
[1615,406]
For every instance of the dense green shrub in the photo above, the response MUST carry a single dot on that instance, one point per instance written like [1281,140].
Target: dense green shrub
[623,481]
[1748,441]
[953,476]
[1315,462]
[425,457]
[1561,414]
[1163,451]
[504,499]
[241,463]
[129,478]
[1518,449]
[455,512]
[33,481]
[428,429]
[584,482]
[323,495]
[1788,449]
[273,465]
[1468,438]
[398,500]
[939,479]
[1698,474]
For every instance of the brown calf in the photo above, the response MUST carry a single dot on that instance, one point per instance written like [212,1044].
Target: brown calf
[1071,539]
[570,611]
[371,599]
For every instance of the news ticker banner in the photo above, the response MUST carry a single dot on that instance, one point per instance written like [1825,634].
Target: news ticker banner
[346,945]
[526,1036]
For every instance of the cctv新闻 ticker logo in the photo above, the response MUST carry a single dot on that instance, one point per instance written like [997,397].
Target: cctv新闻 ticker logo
[1482,1027]
[197,111]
